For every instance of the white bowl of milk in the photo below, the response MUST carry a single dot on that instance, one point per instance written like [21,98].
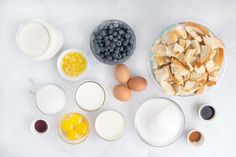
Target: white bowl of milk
[38,39]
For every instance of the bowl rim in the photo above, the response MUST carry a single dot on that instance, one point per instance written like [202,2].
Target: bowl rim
[222,70]
[180,131]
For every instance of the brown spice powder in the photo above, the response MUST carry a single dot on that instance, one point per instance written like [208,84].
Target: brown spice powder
[195,136]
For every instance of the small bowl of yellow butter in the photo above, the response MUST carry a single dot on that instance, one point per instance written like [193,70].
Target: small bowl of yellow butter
[72,64]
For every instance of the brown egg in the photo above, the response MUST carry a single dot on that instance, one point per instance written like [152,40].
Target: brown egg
[122,73]
[121,93]
[137,83]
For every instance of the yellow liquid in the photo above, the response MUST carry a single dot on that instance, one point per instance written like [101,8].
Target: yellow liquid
[74,64]
[74,126]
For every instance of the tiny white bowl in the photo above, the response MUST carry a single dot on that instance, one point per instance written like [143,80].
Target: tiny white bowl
[200,142]
[208,120]
[35,132]
[59,61]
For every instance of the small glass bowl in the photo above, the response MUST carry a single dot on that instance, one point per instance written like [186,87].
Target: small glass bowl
[150,56]
[77,102]
[62,133]
[92,46]
[176,137]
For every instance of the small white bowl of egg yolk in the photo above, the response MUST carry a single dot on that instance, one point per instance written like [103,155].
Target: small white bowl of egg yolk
[72,64]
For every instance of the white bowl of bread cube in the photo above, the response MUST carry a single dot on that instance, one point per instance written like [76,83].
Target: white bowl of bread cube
[187,59]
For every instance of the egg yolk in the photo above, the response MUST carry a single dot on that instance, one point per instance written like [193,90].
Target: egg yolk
[74,64]
[74,126]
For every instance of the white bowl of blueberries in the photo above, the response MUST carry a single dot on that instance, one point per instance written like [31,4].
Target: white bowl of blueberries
[113,42]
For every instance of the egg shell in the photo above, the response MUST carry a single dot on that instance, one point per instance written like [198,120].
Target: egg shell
[137,83]
[122,73]
[122,93]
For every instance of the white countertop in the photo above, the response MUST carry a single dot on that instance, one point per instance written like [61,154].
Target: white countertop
[76,19]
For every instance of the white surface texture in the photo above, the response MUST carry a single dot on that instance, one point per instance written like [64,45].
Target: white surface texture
[76,19]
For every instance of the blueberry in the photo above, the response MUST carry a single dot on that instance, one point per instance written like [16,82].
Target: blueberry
[97,49]
[100,44]
[127,36]
[105,49]
[106,38]
[121,48]
[115,60]
[99,37]
[125,43]
[117,49]
[103,33]
[110,37]
[119,56]
[113,45]
[123,54]
[109,58]
[121,32]
[107,53]
[115,33]
[115,40]
[107,43]
[119,43]
[119,36]
[110,32]
[102,56]
[111,27]
[115,25]
[111,50]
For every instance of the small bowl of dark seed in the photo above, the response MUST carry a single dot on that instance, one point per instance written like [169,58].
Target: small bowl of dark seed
[113,42]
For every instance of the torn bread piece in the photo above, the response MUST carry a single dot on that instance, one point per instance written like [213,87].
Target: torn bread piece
[159,50]
[213,42]
[193,34]
[170,38]
[181,31]
[160,61]
[196,46]
[163,73]
[205,53]
[210,66]
[167,88]
[177,67]
[178,79]
[219,56]
[201,89]
[199,68]
[198,28]
[189,56]
[177,48]
[189,85]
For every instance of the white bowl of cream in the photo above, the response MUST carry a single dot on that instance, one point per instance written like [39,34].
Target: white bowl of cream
[38,39]
[159,121]
[110,125]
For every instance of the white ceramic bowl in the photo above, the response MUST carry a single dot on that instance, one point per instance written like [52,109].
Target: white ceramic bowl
[59,61]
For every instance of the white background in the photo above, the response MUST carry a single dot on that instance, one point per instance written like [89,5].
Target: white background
[76,19]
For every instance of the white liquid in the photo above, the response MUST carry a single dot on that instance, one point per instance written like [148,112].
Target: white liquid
[159,121]
[39,40]
[110,125]
[90,96]
[50,99]
[34,39]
